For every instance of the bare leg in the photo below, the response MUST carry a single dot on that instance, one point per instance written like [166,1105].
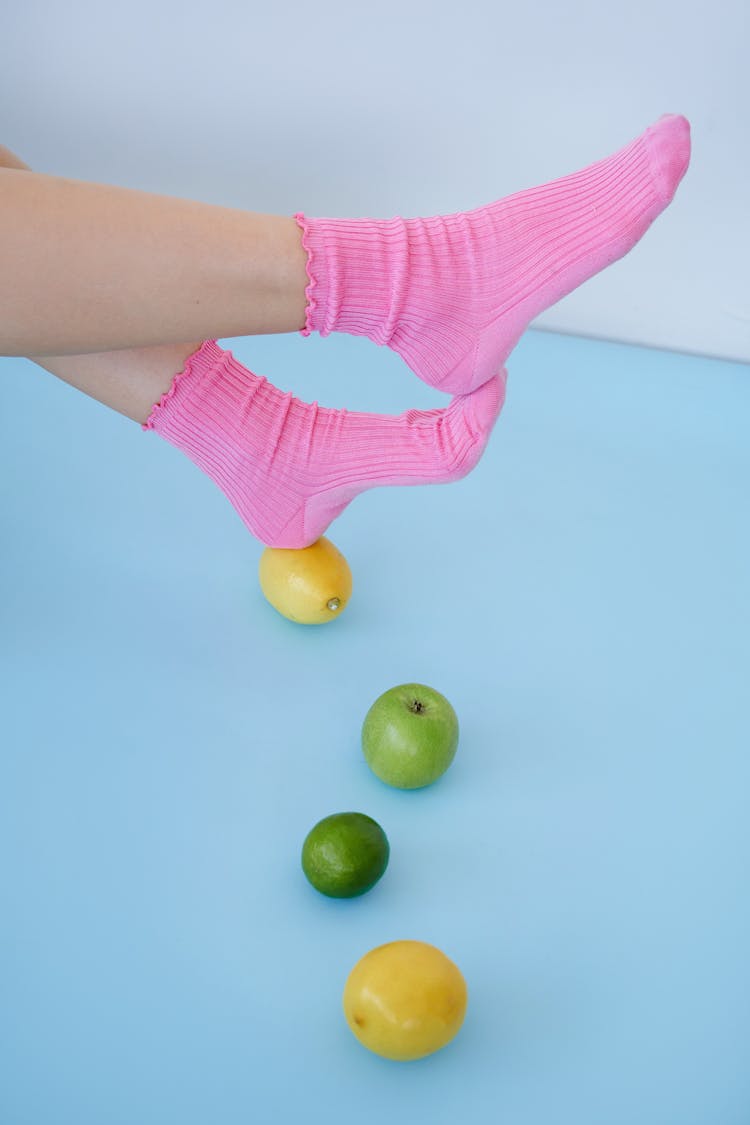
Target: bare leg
[90,268]
[129,381]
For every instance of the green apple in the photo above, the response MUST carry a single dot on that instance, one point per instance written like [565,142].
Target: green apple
[410,736]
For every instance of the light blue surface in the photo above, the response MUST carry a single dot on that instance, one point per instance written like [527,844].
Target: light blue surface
[583,599]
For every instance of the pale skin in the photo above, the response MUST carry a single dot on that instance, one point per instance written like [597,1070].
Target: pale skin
[111,289]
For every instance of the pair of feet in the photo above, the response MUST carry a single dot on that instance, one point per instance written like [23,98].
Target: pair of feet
[452,295]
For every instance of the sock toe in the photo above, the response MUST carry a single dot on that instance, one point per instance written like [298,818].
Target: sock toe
[668,143]
[483,406]
[469,420]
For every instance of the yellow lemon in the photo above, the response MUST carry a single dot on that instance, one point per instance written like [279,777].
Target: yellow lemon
[405,1000]
[309,585]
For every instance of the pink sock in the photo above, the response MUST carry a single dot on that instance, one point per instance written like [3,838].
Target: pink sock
[453,294]
[290,467]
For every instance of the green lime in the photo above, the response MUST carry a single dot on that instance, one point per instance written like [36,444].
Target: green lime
[345,854]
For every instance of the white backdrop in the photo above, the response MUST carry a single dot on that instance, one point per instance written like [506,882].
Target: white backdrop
[410,107]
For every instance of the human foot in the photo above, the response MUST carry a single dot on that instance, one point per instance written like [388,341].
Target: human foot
[453,294]
[290,467]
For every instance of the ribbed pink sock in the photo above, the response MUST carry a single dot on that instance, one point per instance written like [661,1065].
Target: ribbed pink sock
[290,467]
[453,294]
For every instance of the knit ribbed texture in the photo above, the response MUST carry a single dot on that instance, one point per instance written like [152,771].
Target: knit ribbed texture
[453,294]
[290,467]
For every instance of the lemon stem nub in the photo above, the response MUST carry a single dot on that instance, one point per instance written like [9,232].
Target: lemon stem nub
[334,604]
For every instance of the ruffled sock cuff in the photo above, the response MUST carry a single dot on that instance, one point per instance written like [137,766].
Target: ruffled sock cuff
[203,359]
[304,224]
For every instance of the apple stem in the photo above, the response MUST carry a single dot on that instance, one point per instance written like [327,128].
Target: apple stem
[417,707]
